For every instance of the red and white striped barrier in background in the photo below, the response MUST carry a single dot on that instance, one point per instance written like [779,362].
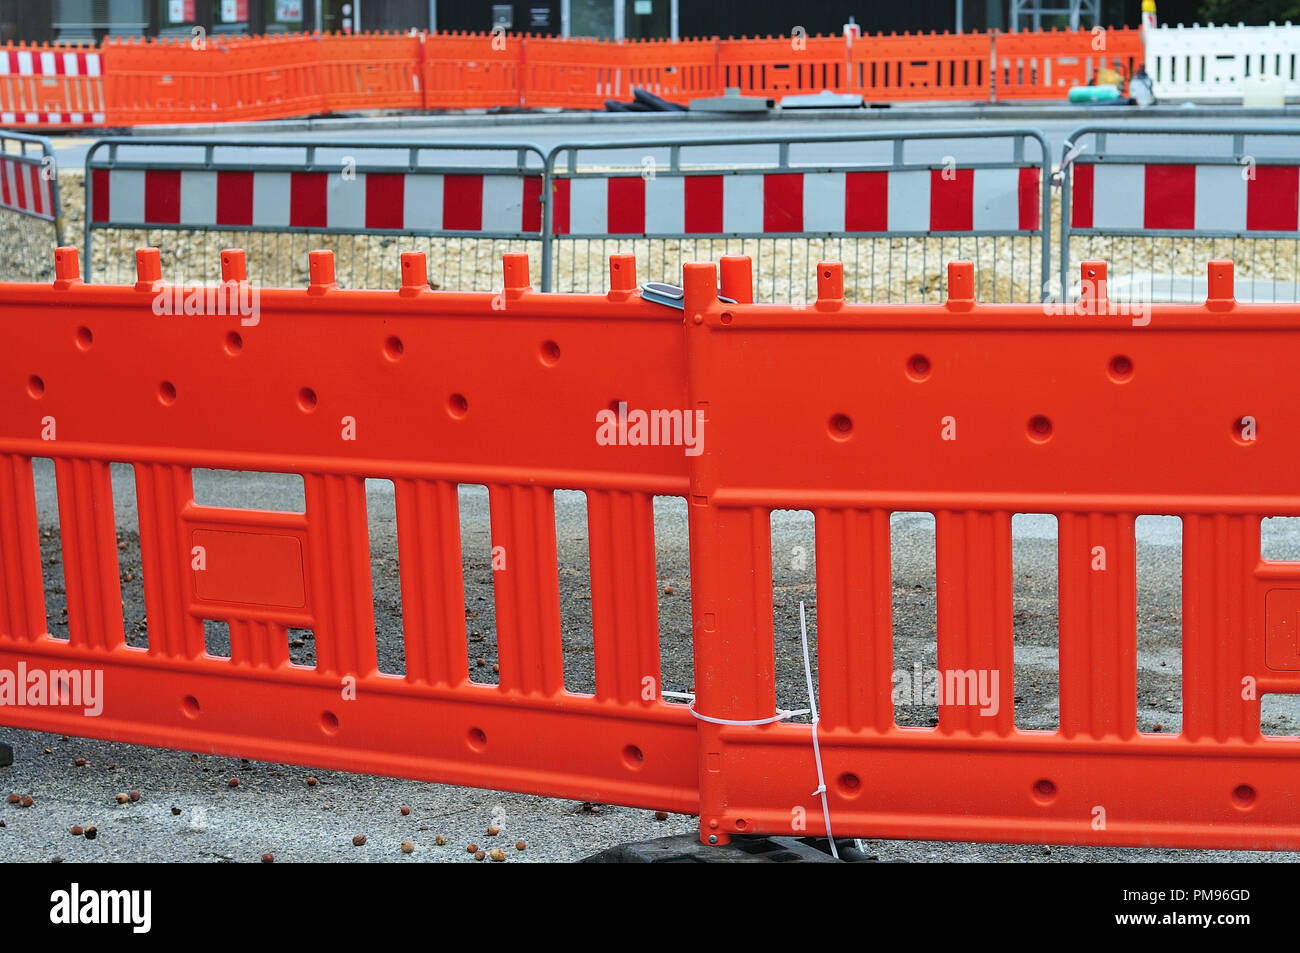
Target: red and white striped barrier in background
[1208,199]
[25,187]
[23,70]
[505,204]
[909,201]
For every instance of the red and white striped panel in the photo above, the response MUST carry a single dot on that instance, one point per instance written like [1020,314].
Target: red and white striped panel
[24,189]
[46,63]
[412,202]
[1209,199]
[795,203]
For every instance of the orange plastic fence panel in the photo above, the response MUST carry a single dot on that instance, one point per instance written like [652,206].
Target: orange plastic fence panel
[785,65]
[371,71]
[980,429]
[164,80]
[271,77]
[51,86]
[471,70]
[254,385]
[576,73]
[921,67]
[1044,65]
[677,71]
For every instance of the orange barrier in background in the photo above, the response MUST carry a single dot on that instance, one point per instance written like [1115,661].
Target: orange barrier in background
[370,71]
[929,66]
[1046,64]
[980,429]
[164,81]
[51,85]
[272,77]
[225,78]
[471,70]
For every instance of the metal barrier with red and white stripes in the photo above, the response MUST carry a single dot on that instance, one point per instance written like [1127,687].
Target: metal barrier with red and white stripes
[1151,199]
[335,189]
[893,206]
[58,88]
[790,202]
[29,206]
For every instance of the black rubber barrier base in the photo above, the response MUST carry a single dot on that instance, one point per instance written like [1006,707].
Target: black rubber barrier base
[687,849]
[6,755]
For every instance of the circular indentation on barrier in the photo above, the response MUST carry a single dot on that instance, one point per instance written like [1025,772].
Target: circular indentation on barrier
[167,393]
[633,757]
[1120,368]
[1040,429]
[826,273]
[840,427]
[234,343]
[329,723]
[741,824]
[1243,796]
[307,400]
[477,739]
[457,406]
[35,387]
[1245,430]
[849,784]
[550,353]
[918,367]
[190,706]
[1044,791]
[726,317]
[84,339]
[393,348]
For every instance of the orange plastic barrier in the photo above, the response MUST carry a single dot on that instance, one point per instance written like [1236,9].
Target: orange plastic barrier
[370,71]
[778,66]
[51,86]
[979,428]
[180,80]
[273,77]
[920,67]
[164,81]
[471,70]
[263,572]
[573,74]
[1046,64]
[678,71]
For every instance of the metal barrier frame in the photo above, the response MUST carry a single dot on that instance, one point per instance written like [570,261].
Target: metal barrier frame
[1018,135]
[1099,132]
[311,147]
[24,141]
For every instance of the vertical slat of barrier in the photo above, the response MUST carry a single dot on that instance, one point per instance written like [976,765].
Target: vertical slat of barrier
[342,601]
[433,590]
[624,604]
[259,643]
[162,491]
[527,589]
[90,567]
[1098,624]
[855,654]
[973,564]
[1220,634]
[22,593]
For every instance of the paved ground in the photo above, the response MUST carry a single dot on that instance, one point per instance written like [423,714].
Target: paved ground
[548,130]
[188,811]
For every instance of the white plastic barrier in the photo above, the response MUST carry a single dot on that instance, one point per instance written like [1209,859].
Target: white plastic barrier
[1214,62]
